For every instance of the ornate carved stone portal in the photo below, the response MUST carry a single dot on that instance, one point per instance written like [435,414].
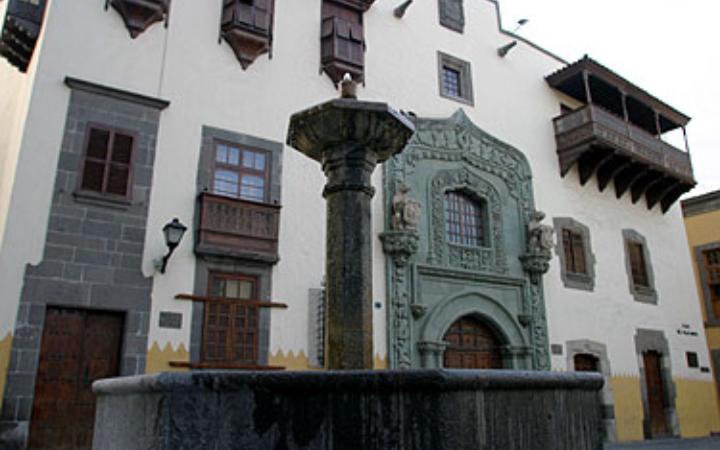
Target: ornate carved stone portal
[491,272]
[138,15]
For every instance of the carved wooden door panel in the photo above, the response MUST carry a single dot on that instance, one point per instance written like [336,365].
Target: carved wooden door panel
[78,347]
[472,345]
[655,394]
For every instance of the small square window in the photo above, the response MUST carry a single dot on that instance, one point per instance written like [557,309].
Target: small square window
[692,360]
[455,79]
[107,162]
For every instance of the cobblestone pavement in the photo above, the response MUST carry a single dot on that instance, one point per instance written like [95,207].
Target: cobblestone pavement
[712,443]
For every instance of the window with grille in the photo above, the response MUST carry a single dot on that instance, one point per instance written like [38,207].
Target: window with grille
[574,250]
[230,332]
[455,79]
[451,81]
[465,221]
[240,172]
[108,161]
[711,258]
[638,266]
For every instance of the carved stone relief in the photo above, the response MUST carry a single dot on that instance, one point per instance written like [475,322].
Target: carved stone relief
[453,154]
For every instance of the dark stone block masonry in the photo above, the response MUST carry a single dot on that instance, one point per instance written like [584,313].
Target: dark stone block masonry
[411,409]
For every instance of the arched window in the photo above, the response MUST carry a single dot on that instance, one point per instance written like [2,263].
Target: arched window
[465,219]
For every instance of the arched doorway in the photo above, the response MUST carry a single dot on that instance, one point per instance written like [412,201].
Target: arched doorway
[472,345]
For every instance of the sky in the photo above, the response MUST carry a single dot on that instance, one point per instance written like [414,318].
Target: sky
[670,48]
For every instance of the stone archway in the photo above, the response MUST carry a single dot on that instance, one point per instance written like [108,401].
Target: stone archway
[472,344]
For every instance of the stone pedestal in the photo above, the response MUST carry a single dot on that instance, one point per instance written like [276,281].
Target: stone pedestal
[349,138]
[369,410]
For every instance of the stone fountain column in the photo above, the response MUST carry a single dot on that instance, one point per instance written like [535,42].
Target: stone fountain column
[349,138]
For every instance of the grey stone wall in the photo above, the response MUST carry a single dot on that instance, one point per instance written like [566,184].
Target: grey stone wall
[388,409]
[452,14]
[583,281]
[93,248]
[654,340]
[643,294]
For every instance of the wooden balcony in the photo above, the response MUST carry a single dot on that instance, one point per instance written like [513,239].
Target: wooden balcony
[20,31]
[237,228]
[602,144]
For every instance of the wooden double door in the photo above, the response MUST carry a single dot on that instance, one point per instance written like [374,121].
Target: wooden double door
[472,345]
[78,347]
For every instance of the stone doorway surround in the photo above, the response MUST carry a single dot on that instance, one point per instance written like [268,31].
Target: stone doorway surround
[654,340]
[599,351]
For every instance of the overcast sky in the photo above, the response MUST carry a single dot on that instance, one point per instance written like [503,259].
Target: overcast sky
[670,48]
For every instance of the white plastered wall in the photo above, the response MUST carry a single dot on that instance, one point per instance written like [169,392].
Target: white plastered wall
[206,86]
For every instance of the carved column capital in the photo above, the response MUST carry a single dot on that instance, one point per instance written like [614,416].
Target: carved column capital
[400,245]
[536,264]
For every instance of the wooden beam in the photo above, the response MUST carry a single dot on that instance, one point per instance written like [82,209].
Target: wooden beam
[671,196]
[245,302]
[643,183]
[590,161]
[610,169]
[655,193]
[627,176]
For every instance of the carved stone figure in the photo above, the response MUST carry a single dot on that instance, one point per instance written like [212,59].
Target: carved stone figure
[540,236]
[406,211]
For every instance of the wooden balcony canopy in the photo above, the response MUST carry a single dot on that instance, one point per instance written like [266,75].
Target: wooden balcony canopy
[20,31]
[616,136]
[590,82]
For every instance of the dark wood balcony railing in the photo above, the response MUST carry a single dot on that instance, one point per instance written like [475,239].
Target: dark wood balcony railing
[237,228]
[602,144]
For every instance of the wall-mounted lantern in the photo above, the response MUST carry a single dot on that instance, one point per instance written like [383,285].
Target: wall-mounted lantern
[173,232]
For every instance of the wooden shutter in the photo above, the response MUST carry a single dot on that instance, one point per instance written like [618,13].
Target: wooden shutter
[637,264]
[574,251]
[119,166]
[96,152]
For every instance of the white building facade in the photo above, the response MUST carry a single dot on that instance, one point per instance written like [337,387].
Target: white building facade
[118,117]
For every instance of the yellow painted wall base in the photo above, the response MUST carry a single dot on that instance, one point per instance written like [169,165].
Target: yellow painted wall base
[697,407]
[628,407]
[158,360]
[290,361]
[5,347]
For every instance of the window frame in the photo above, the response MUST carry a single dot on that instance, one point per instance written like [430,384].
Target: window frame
[465,81]
[575,280]
[711,318]
[641,293]
[231,338]
[483,236]
[80,190]
[241,170]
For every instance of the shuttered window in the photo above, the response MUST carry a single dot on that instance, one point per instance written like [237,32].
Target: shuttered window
[574,249]
[638,267]
[108,161]
[711,258]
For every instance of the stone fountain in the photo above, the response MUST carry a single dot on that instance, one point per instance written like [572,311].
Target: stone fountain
[350,406]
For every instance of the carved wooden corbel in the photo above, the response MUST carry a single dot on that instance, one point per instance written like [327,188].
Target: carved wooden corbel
[247,27]
[342,41]
[138,15]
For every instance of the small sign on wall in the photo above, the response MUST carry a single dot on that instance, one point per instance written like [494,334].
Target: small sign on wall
[685,330]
